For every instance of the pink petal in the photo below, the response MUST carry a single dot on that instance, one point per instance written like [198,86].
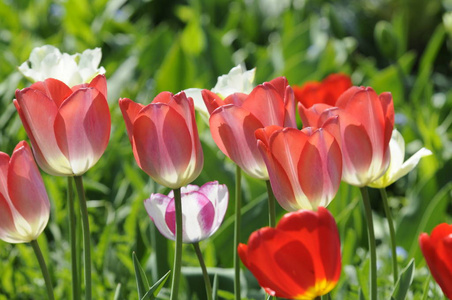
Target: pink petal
[266,104]
[26,189]
[163,145]
[232,129]
[129,111]
[156,207]
[82,127]
[99,83]
[54,89]
[38,114]
[211,100]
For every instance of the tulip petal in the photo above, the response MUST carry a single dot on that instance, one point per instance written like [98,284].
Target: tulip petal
[211,100]
[218,194]
[99,83]
[38,114]
[161,145]
[232,129]
[129,110]
[54,89]
[27,192]
[266,104]
[83,128]
[156,207]
[7,227]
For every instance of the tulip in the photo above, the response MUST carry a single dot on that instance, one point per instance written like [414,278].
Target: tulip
[366,122]
[48,62]
[164,138]
[299,259]
[238,80]
[68,128]
[437,250]
[397,167]
[24,205]
[234,120]
[203,210]
[305,166]
[327,91]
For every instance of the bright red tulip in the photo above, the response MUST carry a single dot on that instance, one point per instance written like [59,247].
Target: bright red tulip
[437,250]
[327,91]
[299,259]
[366,122]
[305,166]
[164,138]
[69,128]
[234,120]
[24,205]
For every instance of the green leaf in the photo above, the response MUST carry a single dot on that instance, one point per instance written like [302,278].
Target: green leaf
[117,292]
[155,289]
[215,287]
[140,276]
[404,282]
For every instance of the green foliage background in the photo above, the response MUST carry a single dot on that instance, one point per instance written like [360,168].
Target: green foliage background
[151,46]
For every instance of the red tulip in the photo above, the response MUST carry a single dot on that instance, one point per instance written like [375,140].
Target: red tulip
[24,205]
[164,138]
[327,91]
[234,120]
[68,127]
[299,259]
[437,250]
[305,166]
[366,122]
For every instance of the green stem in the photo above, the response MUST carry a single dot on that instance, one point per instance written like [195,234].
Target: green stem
[271,205]
[372,244]
[204,271]
[45,272]
[384,197]
[86,235]
[178,251]
[238,204]
[426,288]
[72,237]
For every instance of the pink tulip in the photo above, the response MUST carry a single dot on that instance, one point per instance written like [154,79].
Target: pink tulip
[366,122]
[164,138]
[69,128]
[203,210]
[234,120]
[24,205]
[305,166]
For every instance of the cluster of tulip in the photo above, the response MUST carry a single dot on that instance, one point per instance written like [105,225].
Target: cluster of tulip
[348,135]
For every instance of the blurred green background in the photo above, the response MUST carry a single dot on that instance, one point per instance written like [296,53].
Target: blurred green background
[401,46]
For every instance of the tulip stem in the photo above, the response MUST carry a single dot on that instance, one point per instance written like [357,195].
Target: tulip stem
[45,271]
[271,205]
[372,244]
[178,251]
[86,235]
[238,204]
[384,197]
[426,288]
[204,271]
[73,238]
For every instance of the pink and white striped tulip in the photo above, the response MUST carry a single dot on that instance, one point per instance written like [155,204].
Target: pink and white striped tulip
[203,210]
[164,138]
[24,205]
[234,120]
[69,128]
[305,166]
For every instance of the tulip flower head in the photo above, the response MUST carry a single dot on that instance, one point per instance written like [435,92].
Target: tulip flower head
[203,210]
[234,120]
[299,259]
[366,121]
[397,167]
[48,62]
[69,128]
[437,250]
[327,91]
[305,166]
[164,138]
[24,205]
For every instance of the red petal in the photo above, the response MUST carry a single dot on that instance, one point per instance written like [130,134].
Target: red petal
[266,104]
[129,111]
[54,89]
